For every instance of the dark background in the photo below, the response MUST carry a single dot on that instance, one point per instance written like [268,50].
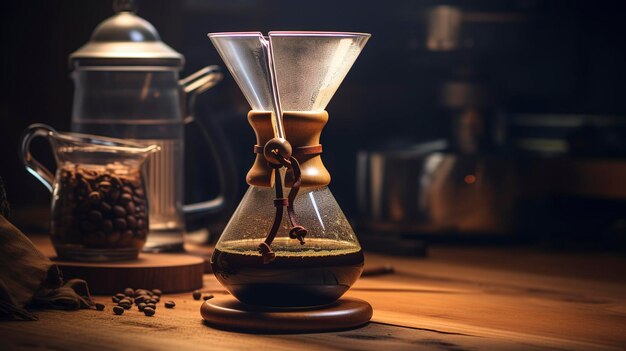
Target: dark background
[558,57]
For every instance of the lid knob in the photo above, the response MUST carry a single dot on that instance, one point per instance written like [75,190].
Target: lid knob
[124,6]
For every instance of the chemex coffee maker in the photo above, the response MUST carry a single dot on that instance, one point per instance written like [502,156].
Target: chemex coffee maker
[288,253]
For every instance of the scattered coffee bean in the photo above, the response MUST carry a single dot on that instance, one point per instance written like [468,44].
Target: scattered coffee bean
[207,297]
[99,306]
[118,310]
[120,296]
[170,304]
[141,306]
[129,292]
[115,299]
[196,295]
[151,305]
[148,311]
[157,292]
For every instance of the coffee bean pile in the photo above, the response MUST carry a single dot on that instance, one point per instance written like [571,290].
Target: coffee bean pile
[100,207]
[145,300]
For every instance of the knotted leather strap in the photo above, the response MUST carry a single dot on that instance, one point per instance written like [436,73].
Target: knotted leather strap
[297,231]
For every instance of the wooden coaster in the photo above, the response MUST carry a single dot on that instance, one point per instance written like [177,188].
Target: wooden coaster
[168,272]
[226,312]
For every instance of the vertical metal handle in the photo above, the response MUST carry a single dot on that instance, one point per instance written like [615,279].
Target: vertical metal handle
[33,166]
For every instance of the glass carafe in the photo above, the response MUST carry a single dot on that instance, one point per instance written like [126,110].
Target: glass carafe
[127,86]
[311,256]
[99,197]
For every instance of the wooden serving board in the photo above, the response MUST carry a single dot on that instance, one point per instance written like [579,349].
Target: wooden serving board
[168,272]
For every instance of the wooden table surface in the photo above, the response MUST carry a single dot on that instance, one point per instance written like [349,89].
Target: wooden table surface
[455,299]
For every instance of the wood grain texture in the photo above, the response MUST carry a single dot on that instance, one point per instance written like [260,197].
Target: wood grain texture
[168,272]
[225,312]
[456,299]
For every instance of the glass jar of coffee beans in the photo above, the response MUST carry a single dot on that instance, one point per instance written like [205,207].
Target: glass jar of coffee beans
[99,212]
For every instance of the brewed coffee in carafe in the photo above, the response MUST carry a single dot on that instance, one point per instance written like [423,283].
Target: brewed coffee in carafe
[288,244]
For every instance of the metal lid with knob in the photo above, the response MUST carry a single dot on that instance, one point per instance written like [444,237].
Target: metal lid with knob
[125,39]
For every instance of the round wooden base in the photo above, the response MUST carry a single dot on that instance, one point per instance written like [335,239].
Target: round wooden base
[226,312]
[168,272]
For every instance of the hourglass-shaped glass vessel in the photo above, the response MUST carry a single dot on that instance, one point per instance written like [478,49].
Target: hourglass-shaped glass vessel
[288,78]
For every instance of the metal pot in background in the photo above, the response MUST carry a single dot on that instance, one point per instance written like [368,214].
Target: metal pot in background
[415,192]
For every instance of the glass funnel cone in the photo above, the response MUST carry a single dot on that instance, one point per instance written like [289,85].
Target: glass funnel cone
[310,66]
[245,55]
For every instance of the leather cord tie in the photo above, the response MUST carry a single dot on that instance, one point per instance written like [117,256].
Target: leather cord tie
[297,231]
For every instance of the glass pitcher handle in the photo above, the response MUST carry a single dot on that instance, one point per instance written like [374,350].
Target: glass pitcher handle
[192,86]
[33,166]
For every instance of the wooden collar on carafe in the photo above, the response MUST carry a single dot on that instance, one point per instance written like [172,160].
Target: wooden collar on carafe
[303,130]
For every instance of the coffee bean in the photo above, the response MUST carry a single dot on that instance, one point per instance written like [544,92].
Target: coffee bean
[94,197]
[119,211]
[104,186]
[151,301]
[127,189]
[207,297]
[115,299]
[105,207]
[157,292]
[95,216]
[120,295]
[139,192]
[118,310]
[196,295]
[132,222]
[170,304]
[129,292]
[115,181]
[99,306]
[149,311]
[126,198]
[119,223]
[141,306]
[131,208]
[125,305]
[140,299]
[151,305]
[156,298]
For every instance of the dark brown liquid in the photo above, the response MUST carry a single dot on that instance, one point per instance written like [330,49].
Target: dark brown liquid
[318,275]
